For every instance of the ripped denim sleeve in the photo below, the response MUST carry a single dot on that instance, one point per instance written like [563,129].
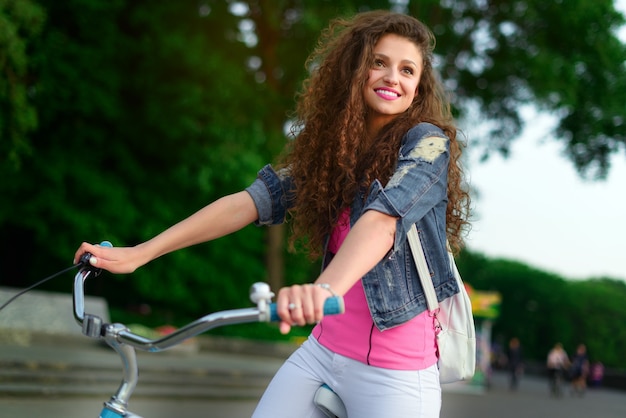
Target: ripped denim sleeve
[419,182]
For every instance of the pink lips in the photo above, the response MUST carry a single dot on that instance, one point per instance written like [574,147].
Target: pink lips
[387,94]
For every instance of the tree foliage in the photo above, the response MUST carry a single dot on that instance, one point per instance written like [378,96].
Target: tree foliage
[542,309]
[565,60]
[142,120]
[20,23]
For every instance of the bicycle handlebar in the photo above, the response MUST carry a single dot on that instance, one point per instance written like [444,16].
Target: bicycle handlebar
[260,293]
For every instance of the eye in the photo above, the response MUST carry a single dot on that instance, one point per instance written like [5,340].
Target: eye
[379,63]
[408,70]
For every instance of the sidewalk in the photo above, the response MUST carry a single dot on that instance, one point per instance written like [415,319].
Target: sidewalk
[77,366]
[42,351]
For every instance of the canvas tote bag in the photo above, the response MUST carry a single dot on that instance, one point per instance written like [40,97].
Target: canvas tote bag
[454,322]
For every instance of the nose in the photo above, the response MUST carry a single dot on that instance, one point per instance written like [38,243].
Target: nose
[391,77]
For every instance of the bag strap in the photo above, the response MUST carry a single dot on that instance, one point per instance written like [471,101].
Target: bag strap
[422,269]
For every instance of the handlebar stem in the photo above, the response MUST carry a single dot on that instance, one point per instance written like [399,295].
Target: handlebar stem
[129,363]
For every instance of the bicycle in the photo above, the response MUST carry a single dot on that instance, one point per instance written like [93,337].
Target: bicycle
[124,342]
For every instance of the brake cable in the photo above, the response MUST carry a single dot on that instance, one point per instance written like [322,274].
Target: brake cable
[31,287]
[83,261]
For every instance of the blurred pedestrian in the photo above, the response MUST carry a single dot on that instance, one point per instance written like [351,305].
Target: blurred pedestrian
[596,373]
[579,370]
[515,362]
[557,363]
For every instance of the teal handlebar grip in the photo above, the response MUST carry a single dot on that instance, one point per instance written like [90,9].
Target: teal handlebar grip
[332,306]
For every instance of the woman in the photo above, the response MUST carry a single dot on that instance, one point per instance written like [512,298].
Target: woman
[375,151]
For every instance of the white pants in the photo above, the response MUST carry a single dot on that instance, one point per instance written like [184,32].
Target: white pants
[366,391]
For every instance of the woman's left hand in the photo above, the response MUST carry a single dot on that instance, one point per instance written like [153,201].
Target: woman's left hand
[300,305]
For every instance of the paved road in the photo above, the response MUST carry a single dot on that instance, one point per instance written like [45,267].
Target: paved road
[60,382]
[529,401]
[532,400]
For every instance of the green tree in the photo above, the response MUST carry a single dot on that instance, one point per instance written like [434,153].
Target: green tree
[20,23]
[145,115]
[597,308]
[542,309]
[529,298]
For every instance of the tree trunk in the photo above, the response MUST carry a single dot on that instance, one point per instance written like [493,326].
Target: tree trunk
[275,260]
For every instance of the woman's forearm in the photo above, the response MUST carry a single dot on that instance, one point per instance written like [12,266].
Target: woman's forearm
[222,217]
[215,220]
[366,244]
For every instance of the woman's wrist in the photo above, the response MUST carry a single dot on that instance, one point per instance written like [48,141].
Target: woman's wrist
[327,287]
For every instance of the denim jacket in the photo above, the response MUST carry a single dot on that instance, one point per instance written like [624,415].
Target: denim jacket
[415,194]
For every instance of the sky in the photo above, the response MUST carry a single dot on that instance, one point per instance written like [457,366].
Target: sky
[533,206]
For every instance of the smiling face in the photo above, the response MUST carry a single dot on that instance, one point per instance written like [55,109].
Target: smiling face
[393,79]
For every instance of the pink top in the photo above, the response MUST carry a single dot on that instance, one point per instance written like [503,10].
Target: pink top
[410,346]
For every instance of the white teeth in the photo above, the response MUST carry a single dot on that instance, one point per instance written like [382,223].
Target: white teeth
[387,93]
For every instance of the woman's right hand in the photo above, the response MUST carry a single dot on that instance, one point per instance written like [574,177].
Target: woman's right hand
[112,259]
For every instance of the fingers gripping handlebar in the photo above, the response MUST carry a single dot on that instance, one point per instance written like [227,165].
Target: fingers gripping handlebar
[85,259]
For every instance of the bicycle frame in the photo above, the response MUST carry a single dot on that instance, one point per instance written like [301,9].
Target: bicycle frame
[124,342]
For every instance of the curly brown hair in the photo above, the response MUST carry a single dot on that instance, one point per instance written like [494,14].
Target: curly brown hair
[332,156]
